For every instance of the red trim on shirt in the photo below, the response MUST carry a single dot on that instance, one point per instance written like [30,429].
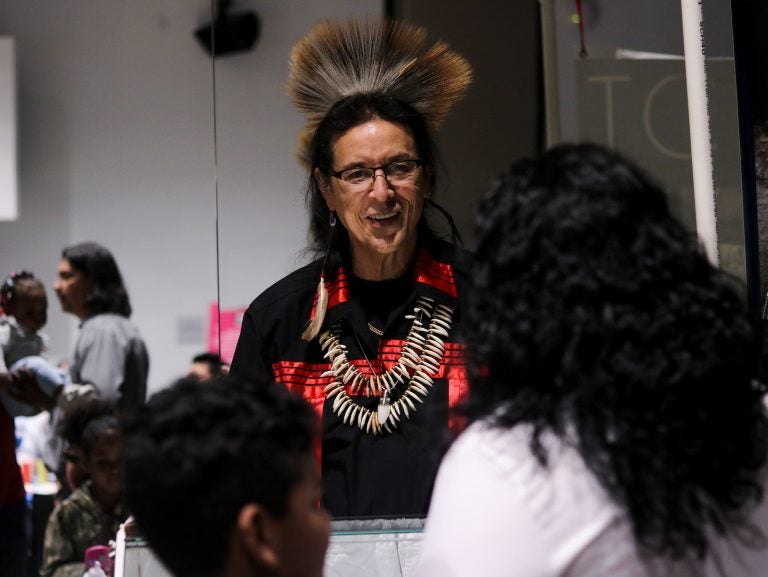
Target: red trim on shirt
[338,289]
[435,274]
[458,387]
[306,378]
[427,271]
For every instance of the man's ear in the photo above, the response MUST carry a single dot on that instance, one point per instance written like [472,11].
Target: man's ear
[324,184]
[256,532]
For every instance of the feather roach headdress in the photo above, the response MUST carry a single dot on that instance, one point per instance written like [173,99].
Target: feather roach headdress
[340,59]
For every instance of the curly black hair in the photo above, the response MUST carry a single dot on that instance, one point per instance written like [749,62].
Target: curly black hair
[17,282]
[80,413]
[595,315]
[198,451]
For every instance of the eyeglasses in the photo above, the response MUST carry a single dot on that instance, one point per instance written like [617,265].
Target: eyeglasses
[397,172]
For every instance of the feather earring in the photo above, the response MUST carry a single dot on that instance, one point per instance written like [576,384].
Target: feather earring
[321,306]
[314,326]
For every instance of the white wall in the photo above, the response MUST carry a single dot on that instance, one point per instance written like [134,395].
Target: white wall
[116,145]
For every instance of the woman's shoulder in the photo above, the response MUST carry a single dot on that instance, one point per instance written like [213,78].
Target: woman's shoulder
[545,489]
[503,450]
[542,516]
[109,325]
[105,320]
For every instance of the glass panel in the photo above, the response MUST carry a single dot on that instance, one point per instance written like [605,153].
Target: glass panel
[115,125]
[625,87]
[262,216]
[750,19]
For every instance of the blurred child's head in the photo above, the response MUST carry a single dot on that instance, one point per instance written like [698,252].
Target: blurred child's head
[77,417]
[102,450]
[206,366]
[221,476]
[22,296]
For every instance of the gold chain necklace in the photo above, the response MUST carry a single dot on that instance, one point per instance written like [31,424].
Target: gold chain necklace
[375,331]
[422,353]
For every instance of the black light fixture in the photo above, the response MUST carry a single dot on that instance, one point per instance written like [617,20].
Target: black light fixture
[229,33]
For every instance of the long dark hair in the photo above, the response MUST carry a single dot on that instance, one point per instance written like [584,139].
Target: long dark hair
[344,115]
[108,293]
[596,316]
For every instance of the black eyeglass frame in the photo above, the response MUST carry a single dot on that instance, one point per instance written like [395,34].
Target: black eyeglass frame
[337,174]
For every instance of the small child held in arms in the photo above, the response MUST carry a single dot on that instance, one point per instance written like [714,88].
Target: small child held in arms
[24,312]
[92,514]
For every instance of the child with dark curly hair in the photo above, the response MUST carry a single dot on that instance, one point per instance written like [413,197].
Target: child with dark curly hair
[222,480]
[75,420]
[618,426]
[92,514]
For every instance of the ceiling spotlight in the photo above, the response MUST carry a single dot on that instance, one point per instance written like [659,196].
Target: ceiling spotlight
[229,33]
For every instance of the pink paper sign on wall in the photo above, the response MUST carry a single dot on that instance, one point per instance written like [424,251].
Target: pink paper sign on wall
[231,321]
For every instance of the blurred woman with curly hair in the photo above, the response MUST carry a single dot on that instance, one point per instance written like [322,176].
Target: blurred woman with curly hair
[618,426]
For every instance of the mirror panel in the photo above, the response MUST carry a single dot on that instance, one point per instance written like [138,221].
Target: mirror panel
[262,216]
[625,87]
[115,125]
[115,142]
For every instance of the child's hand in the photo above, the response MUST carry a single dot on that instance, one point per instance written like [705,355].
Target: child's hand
[24,387]
[5,381]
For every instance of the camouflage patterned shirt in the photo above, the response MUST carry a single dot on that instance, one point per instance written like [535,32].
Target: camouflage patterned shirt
[78,523]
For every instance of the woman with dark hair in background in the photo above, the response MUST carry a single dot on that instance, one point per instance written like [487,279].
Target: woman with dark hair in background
[110,353]
[619,429]
[367,332]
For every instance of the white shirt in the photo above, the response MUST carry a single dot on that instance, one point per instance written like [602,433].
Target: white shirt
[497,512]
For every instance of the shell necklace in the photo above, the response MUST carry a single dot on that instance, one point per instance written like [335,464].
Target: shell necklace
[419,361]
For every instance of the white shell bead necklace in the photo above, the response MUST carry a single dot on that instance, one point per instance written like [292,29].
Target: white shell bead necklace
[419,359]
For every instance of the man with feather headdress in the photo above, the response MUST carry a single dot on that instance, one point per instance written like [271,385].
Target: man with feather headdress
[367,333]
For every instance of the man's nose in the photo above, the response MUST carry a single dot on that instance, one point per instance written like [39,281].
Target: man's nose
[381,188]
